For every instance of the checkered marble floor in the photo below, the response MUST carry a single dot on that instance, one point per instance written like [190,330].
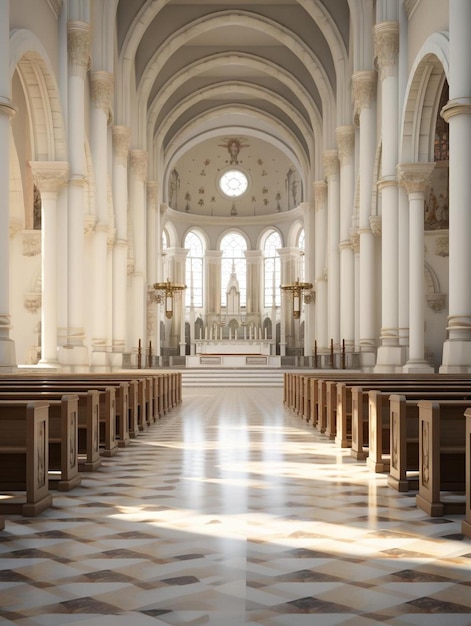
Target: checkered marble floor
[231,511]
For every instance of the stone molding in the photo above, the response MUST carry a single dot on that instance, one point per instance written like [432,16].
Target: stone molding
[386,45]
[56,6]
[457,106]
[16,226]
[7,107]
[79,46]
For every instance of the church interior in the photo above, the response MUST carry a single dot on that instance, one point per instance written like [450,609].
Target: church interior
[233,279]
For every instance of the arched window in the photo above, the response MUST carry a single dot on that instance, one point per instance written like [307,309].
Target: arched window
[272,270]
[194,269]
[301,256]
[233,260]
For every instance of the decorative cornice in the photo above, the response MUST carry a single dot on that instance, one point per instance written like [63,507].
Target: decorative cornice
[415,176]
[50,176]
[139,164]
[79,46]
[345,142]
[386,44]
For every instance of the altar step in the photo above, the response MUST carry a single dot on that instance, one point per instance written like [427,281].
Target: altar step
[232,378]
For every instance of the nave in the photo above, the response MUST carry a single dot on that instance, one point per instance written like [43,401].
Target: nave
[231,511]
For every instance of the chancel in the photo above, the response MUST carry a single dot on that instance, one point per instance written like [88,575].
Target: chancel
[235,312]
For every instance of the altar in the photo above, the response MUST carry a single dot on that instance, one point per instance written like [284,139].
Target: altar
[233,353]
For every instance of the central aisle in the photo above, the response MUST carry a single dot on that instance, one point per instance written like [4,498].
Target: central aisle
[230,511]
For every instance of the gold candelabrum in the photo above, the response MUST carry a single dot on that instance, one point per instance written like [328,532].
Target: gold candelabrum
[166,293]
[295,290]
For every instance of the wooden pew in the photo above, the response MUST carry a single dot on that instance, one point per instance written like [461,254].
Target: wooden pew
[24,454]
[442,455]
[466,523]
[63,443]
[88,430]
[404,440]
[53,390]
[361,405]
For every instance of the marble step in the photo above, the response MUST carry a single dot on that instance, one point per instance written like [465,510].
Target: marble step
[232,378]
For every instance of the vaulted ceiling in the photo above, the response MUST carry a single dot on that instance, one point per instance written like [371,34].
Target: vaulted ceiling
[269,74]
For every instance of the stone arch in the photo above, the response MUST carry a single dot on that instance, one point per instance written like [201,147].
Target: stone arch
[427,76]
[29,58]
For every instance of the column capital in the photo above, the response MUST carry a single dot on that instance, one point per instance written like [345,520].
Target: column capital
[364,90]
[415,176]
[102,84]
[50,176]
[213,256]
[253,256]
[320,193]
[386,45]
[121,139]
[79,46]
[457,106]
[152,192]
[345,142]
[376,225]
[330,160]
[139,164]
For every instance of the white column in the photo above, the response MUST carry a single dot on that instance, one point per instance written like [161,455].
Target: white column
[390,355]
[152,252]
[320,196]
[176,265]
[121,136]
[7,110]
[364,93]
[255,294]
[415,177]
[331,168]
[403,268]
[346,143]
[212,269]
[289,274]
[100,113]
[74,356]
[137,321]
[49,177]
[309,275]
[457,347]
